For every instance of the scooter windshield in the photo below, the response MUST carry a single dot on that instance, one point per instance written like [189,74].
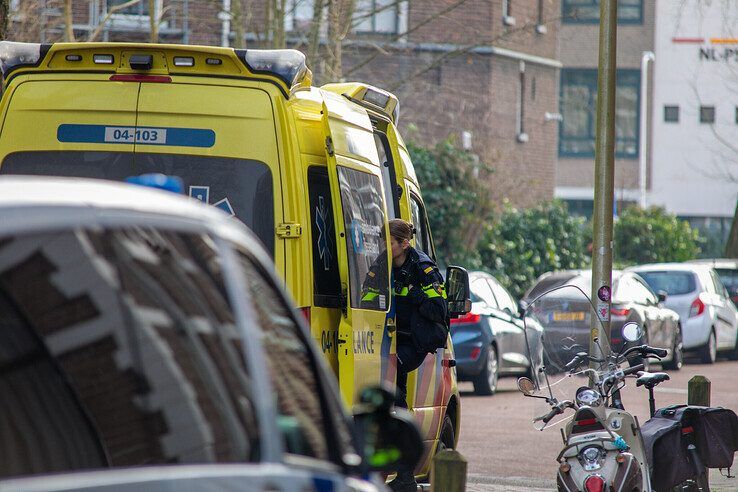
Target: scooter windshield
[558,327]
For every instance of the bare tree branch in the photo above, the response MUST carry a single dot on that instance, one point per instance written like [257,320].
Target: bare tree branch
[111,11]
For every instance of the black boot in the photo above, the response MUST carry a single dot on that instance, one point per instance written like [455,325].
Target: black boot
[404,482]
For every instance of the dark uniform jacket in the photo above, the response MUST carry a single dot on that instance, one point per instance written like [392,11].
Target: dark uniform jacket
[420,301]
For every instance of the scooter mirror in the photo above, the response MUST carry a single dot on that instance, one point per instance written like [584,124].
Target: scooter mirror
[632,332]
[526,386]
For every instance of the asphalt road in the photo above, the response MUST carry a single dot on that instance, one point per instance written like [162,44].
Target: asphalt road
[505,452]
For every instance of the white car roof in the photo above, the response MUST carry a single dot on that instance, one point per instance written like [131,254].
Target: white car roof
[29,203]
[668,267]
[718,262]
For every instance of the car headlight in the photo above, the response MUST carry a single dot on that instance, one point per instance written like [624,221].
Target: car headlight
[592,458]
[588,397]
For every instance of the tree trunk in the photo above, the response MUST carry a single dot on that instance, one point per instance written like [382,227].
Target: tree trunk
[340,13]
[4,18]
[278,12]
[154,21]
[237,24]
[68,22]
[314,35]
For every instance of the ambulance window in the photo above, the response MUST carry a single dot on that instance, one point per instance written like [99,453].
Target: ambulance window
[364,222]
[422,238]
[243,185]
[303,413]
[389,182]
[119,349]
[326,279]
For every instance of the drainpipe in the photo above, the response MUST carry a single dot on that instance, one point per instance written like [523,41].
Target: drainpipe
[647,57]
[225,19]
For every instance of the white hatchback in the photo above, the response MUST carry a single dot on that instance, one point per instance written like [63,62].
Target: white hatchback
[709,318]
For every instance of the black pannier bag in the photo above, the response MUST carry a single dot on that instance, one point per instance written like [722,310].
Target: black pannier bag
[714,431]
[666,453]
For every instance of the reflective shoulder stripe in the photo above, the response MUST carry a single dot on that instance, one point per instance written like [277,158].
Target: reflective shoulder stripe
[431,291]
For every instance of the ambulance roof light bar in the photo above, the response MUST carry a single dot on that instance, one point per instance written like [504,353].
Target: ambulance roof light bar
[287,65]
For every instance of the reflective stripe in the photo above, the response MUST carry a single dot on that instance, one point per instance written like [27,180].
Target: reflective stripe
[371,295]
[403,292]
[431,292]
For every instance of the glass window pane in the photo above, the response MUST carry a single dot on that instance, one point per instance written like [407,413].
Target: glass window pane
[671,114]
[292,367]
[422,238]
[364,222]
[707,114]
[363,16]
[588,11]
[246,185]
[385,18]
[136,9]
[480,288]
[504,299]
[326,278]
[121,350]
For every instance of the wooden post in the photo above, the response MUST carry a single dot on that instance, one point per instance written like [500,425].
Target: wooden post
[698,391]
[448,472]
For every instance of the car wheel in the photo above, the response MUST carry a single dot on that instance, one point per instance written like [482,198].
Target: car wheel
[485,383]
[677,353]
[708,352]
[446,439]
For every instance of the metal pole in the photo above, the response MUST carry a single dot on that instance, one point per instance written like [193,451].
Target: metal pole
[647,57]
[604,179]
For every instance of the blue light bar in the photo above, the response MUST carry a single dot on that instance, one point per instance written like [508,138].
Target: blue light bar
[159,181]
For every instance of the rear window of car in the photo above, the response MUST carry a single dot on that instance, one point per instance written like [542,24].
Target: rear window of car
[729,278]
[673,283]
[547,284]
[243,187]
[119,348]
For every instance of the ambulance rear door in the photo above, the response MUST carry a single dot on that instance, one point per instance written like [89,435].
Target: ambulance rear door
[364,345]
[221,141]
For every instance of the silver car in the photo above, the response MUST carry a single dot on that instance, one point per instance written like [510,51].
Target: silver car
[695,292]
[146,344]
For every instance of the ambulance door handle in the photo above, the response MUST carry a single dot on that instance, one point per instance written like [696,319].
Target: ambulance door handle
[341,341]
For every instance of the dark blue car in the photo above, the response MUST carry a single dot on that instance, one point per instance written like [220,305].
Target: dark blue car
[490,341]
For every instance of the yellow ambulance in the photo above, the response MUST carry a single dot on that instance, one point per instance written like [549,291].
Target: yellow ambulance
[314,172]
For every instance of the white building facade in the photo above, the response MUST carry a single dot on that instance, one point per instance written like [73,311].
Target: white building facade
[694,134]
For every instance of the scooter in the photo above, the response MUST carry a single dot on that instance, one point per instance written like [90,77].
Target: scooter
[605,447]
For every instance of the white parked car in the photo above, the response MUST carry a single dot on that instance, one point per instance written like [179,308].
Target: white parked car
[695,292]
[146,344]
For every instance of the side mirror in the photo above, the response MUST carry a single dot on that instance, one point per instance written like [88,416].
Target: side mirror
[662,295]
[387,439]
[526,386]
[632,332]
[522,307]
[457,291]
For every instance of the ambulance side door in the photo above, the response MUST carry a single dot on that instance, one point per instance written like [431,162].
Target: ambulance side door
[360,218]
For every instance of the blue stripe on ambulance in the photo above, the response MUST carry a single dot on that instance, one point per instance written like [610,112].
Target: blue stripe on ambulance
[110,134]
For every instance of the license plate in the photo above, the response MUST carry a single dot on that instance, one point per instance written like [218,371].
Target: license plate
[568,316]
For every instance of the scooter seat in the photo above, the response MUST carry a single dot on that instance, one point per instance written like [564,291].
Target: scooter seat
[651,379]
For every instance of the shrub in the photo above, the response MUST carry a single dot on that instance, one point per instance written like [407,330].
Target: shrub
[653,236]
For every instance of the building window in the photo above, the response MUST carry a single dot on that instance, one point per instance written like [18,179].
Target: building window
[376,16]
[707,114]
[298,15]
[588,11]
[578,105]
[140,8]
[736,114]
[671,114]
[507,17]
[521,135]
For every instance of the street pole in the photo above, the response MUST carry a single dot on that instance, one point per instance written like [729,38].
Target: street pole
[604,179]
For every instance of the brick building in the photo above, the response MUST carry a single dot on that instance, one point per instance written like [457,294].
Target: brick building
[482,71]
[579,55]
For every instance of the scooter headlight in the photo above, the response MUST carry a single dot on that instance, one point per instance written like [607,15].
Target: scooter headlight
[588,397]
[592,458]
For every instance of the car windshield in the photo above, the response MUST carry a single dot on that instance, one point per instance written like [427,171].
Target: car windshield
[672,282]
[118,348]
